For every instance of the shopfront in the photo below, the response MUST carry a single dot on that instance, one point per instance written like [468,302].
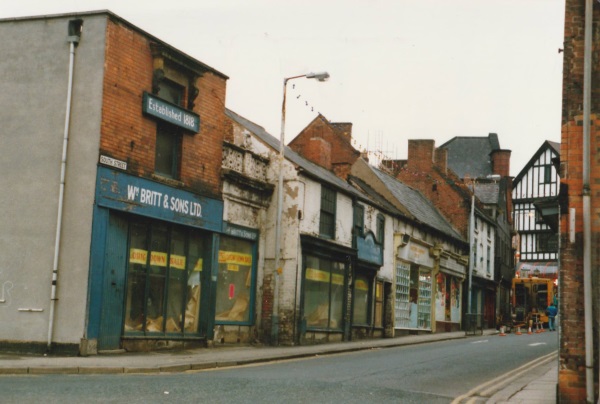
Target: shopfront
[154,269]
[367,290]
[448,300]
[325,287]
[413,304]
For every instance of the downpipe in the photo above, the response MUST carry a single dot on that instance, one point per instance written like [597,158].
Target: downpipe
[73,38]
[587,252]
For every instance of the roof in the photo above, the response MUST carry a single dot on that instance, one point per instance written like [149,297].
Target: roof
[309,168]
[554,146]
[110,14]
[487,192]
[470,156]
[417,204]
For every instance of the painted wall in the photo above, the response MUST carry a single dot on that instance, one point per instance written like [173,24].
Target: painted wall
[34,67]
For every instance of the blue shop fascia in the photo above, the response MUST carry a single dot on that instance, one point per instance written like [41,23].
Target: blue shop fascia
[165,268]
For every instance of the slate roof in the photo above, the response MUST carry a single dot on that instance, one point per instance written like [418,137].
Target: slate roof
[470,156]
[487,192]
[313,170]
[417,204]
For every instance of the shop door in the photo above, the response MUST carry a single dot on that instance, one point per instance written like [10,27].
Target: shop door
[115,262]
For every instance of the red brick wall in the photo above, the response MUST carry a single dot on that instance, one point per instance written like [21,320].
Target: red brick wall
[338,135]
[445,190]
[129,136]
[571,379]
[318,150]
[501,162]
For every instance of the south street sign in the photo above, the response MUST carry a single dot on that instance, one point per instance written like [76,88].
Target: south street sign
[170,113]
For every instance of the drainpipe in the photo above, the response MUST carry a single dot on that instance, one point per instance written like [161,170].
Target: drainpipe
[75,27]
[587,252]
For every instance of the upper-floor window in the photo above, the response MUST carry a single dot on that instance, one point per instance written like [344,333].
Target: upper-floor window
[171,91]
[380,228]
[327,217]
[547,174]
[168,150]
[168,137]
[489,262]
[359,220]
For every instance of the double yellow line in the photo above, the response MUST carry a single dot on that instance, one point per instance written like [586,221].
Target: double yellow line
[488,388]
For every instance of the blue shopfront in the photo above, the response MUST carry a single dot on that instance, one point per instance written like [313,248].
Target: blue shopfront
[154,267]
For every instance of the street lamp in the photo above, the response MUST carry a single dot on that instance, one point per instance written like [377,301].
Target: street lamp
[322,76]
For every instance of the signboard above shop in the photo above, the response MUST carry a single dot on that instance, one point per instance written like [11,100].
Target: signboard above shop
[170,113]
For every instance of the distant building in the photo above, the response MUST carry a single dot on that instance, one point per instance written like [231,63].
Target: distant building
[535,188]
[482,162]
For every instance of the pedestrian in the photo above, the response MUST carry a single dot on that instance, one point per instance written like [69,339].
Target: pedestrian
[552,312]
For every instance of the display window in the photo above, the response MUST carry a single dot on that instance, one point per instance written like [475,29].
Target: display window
[324,285]
[413,296]
[378,320]
[361,300]
[235,280]
[163,278]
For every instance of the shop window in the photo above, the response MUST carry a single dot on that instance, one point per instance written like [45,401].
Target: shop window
[361,300]
[234,281]
[327,217]
[323,293]
[168,150]
[413,297]
[163,278]
[378,320]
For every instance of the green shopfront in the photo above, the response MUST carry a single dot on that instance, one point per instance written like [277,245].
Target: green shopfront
[159,255]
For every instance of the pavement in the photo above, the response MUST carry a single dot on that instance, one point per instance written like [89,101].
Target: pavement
[538,387]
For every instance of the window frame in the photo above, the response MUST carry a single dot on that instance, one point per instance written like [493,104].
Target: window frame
[328,210]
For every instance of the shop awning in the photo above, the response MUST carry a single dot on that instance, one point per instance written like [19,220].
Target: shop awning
[540,269]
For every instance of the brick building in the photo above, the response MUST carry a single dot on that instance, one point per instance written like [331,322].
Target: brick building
[579,226]
[112,230]
[427,169]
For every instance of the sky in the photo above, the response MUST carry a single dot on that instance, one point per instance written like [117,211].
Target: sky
[400,69]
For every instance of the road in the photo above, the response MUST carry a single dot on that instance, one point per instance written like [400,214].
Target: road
[433,373]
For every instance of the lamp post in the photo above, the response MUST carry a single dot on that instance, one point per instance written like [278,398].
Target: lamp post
[323,76]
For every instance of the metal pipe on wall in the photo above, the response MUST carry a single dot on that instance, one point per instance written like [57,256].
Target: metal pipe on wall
[73,38]
[587,252]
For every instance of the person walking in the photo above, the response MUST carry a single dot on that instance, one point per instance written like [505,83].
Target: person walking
[552,312]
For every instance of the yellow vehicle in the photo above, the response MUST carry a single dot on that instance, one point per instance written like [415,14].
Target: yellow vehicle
[530,298]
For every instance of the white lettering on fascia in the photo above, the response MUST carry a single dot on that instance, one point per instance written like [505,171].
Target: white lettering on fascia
[157,199]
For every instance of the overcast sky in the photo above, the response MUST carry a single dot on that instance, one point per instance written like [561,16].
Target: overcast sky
[400,69]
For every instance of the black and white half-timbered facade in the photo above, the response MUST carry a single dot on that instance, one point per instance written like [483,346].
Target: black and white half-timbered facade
[535,189]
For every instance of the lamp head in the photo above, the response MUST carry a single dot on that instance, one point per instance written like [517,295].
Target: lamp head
[322,76]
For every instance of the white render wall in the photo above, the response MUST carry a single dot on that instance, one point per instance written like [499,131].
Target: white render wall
[34,69]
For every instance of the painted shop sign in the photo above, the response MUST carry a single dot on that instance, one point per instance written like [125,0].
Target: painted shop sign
[369,250]
[125,192]
[170,113]
[240,231]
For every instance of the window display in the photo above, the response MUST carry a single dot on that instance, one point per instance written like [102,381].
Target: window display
[163,281]
[323,293]
[413,297]
[234,281]
[361,300]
